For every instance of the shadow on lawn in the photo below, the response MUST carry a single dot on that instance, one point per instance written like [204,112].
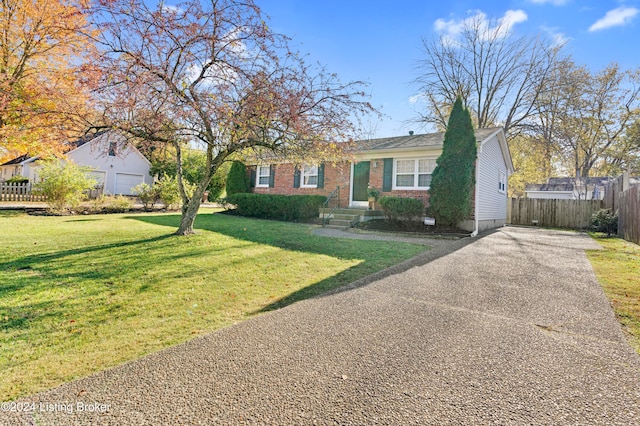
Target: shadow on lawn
[24,263]
[297,237]
[36,270]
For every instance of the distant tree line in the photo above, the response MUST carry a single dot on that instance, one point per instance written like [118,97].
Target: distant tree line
[560,118]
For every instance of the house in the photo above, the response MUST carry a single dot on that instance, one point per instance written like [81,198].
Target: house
[115,163]
[397,166]
[566,188]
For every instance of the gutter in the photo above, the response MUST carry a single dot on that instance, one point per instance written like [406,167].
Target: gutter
[477,196]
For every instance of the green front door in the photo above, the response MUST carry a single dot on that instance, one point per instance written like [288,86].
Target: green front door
[360,180]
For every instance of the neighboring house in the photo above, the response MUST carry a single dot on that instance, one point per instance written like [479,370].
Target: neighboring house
[19,166]
[565,188]
[398,166]
[116,163]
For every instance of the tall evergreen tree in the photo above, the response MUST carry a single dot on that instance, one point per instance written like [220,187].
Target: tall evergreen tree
[453,178]
[237,179]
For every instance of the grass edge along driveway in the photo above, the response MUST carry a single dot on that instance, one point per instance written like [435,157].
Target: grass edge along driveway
[82,294]
[617,267]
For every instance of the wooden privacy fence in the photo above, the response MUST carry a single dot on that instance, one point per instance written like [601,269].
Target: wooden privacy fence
[574,214]
[624,197]
[18,192]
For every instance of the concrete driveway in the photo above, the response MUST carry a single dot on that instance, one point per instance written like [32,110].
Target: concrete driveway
[510,329]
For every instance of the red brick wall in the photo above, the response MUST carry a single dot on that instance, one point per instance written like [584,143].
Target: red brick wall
[335,174]
[338,174]
[376,175]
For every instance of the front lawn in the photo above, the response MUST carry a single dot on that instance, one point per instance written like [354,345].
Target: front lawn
[617,267]
[80,294]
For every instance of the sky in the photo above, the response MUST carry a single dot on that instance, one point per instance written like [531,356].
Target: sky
[380,42]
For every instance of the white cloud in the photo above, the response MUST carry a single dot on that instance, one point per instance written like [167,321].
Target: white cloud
[171,9]
[450,30]
[616,17]
[416,98]
[558,39]
[553,2]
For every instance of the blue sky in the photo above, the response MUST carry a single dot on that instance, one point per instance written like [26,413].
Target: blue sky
[380,42]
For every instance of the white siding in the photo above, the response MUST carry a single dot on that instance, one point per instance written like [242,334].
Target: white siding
[95,153]
[492,203]
[99,175]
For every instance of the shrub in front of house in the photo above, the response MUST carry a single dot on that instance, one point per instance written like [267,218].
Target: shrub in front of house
[148,194]
[169,192]
[17,179]
[605,221]
[401,209]
[63,184]
[117,204]
[237,179]
[277,207]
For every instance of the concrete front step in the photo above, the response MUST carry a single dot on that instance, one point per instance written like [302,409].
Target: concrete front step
[344,223]
[353,210]
[342,228]
[345,216]
[364,214]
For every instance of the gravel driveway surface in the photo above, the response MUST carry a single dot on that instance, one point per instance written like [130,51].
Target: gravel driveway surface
[509,329]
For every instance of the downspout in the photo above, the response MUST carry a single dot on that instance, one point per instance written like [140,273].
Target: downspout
[477,198]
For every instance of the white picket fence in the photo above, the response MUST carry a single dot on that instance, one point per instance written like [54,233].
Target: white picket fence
[24,192]
[18,192]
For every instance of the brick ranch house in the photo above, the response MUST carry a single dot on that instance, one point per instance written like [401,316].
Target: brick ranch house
[397,166]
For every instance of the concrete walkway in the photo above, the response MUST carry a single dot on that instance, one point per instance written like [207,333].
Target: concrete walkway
[509,329]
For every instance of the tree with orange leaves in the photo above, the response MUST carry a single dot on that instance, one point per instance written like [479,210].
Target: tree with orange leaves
[43,98]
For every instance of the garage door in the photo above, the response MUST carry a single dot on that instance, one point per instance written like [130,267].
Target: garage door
[126,181]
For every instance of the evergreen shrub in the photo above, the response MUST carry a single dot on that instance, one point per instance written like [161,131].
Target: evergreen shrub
[276,207]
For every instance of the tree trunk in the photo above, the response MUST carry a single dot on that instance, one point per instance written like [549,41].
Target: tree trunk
[190,208]
[189,213]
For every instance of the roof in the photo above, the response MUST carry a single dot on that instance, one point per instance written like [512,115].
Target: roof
[71,145]
[570,183]
[557,187]
[16,160]
[68,147]
[588,181]
[435,140]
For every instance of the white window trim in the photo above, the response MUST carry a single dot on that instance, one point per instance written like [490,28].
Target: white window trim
[303,174]
[502,183]
[258,176]
[416,174]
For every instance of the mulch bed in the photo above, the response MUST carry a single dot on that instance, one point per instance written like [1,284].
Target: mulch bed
[414,227]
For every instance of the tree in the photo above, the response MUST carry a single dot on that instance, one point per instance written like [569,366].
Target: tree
[629,152]
[194,165]
[498,76]
[42,92]
[237,179]
[587,119]
[530,162]
[63,183]
[213,73]
[453,178]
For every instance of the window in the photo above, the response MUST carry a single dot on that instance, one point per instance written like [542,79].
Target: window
[262,177]
[413,173]
[112,149]
[502,183]
[309,177]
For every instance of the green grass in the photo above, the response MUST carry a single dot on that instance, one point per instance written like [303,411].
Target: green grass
[617,267]
[80,294]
